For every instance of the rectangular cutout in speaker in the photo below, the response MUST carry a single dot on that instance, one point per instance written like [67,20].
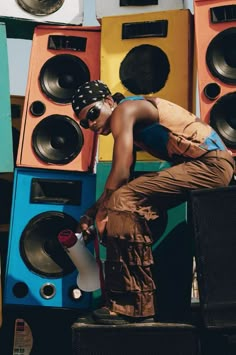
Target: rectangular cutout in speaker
[212,214]
[56,191]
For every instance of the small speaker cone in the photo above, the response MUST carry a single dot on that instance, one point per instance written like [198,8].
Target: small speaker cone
[40,7]
[57,139]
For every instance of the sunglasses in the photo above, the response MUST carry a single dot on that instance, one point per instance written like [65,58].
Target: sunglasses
[92,114]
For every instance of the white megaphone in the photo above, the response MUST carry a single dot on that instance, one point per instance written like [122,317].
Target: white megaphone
[88,278]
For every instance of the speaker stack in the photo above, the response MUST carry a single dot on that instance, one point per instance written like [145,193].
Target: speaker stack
[216,60]
[55,170]
[54,178]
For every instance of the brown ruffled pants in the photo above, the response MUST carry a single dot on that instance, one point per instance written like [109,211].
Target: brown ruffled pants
[129,284]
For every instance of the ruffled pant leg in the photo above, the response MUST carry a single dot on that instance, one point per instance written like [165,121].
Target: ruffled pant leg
[128,278]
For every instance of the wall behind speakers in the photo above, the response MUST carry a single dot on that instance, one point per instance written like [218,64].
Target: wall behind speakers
[126,7]
[62,58]
[147,54]
[39,272]
[216,66]
[6,146]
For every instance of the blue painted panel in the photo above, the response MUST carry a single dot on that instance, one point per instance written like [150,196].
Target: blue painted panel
[6,145]
[32,208]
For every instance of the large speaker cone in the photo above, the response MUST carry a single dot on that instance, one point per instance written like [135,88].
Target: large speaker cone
[144,70]
[40,7]
[57,139]
[61,75]
[39,245]
[221,56]
[223,118]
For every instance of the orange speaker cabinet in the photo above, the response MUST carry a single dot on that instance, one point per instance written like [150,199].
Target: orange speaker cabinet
[216,66]
[147,54]
[62,58]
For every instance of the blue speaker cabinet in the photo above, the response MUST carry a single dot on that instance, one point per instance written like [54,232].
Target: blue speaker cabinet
[39,271]
[6,144]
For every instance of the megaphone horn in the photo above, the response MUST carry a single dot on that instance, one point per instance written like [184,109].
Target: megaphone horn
[88,278]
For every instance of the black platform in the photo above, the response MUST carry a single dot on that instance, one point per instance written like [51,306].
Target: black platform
[89,338]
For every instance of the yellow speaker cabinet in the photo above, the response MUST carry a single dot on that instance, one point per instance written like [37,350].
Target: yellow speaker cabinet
[147,54]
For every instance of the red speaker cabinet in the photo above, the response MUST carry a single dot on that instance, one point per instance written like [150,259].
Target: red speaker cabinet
[215,34]
[62,58]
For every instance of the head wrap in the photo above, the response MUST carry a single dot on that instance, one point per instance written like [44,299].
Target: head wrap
[89,92]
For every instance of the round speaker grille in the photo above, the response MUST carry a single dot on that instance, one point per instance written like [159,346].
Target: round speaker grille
[57,139]
[40,7]
[40,249]
[61,75]
[221,56]
[144,70]
[223,118]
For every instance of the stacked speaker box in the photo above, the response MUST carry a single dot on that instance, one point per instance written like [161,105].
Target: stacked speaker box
[216,66]
[147,54]
[38,271]
[6,150]
[128,7]
[62,58]
[215,253]
[21,16]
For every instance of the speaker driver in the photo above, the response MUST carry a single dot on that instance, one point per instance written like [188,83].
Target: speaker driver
[40,248]
[40,7]
[61,75]
[221,56]
[145,69]
[57,139]
[223,118]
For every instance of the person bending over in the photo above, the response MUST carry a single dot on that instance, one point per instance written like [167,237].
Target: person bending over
[199,159]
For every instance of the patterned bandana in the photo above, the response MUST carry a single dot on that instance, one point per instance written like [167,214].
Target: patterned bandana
[89,92]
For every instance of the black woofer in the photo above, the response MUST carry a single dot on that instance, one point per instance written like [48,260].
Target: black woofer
[39,245]
[57,139]
[61,75]
[145,69]
[221,56]
[40,7]
[223,118]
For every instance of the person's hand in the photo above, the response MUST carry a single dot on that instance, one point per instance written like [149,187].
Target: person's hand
[87,228]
